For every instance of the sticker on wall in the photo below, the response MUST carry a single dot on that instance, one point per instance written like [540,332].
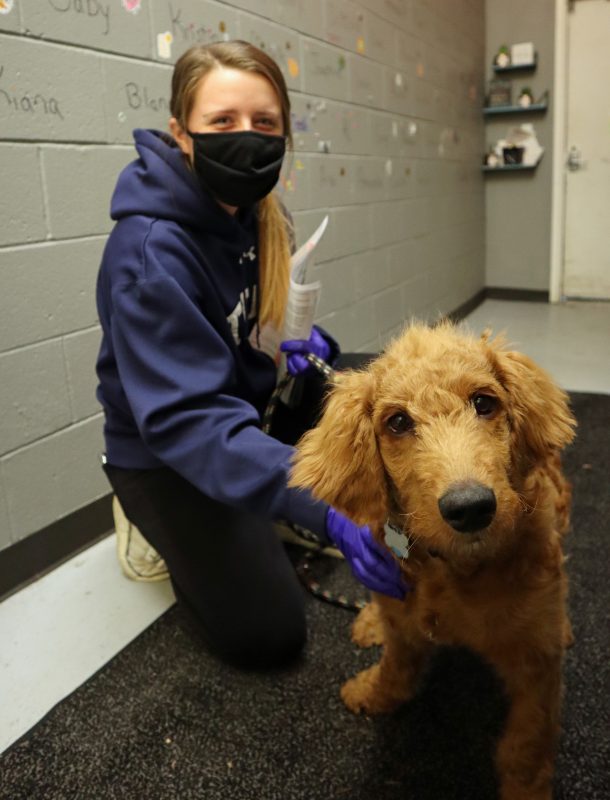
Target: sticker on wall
[298,164]
[287,182]
[398,80]
[299,123]
[420,70]
[133,6]
[6,6]
[389,167]
[360,45]
[293,68]
[341,63]
[164,44]
[394,129]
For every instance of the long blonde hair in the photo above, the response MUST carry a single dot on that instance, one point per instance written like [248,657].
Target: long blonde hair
[273,236]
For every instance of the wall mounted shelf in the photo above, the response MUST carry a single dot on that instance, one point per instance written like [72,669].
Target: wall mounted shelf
[512,167]
[516,67]
[534,107]
[501,89]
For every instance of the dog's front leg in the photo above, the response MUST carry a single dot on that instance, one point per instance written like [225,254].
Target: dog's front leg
[384,686]
[527,749]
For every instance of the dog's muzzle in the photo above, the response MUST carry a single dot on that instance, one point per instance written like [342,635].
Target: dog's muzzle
[468,506]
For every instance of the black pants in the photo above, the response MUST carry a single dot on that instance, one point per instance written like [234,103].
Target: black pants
[228,567]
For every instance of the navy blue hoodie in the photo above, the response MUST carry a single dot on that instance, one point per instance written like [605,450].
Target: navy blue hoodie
[182,382]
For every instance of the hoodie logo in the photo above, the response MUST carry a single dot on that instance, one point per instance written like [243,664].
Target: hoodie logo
[250,254]
[244,310]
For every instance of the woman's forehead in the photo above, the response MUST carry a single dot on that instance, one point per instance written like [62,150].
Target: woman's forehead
[225,88]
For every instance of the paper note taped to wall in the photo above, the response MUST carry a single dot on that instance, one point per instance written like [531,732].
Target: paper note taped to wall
[164,44]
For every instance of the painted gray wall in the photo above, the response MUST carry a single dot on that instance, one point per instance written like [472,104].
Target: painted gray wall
[391,88]
[517,205]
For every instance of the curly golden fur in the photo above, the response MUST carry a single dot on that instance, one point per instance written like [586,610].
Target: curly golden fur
[456,440]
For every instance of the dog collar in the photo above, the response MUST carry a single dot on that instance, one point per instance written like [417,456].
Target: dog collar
[397,540]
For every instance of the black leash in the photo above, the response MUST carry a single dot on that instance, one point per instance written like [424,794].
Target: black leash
[305,571]
[305,567]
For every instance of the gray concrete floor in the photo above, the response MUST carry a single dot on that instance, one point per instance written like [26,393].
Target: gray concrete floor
[570,340]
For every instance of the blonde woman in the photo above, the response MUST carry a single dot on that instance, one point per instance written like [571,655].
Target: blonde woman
[193,279]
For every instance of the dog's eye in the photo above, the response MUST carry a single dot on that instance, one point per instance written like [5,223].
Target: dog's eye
[399,424]
[485,404]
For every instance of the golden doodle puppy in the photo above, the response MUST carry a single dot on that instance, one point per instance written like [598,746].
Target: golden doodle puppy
[448,447]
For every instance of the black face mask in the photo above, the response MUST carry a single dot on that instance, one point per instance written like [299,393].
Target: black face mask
[238,168]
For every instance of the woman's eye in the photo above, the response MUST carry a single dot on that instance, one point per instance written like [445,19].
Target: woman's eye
[399,424]
[485,404]
[266,122]
[221,121]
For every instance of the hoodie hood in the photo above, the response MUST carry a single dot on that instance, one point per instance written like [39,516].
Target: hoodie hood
[159,184]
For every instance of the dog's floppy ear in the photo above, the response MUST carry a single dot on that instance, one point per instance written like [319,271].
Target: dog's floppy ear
[538,410]
[338,460]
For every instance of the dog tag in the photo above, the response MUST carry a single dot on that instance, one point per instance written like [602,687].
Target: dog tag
[396,540]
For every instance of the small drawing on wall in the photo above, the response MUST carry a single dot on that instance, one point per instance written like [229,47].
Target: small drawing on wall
[293,67]
[6,6]
[133,6]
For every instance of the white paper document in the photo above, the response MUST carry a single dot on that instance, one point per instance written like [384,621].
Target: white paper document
[301,303]
[303,297]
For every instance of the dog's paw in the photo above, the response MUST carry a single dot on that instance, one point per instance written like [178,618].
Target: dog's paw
[366,693]
[367,630]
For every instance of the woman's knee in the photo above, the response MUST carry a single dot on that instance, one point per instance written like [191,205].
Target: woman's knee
[251,635]
[265,643]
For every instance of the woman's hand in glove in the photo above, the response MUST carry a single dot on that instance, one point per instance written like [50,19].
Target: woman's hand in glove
[296,349]
[371,563]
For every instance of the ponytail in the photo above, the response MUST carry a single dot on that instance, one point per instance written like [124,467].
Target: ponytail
[274,261]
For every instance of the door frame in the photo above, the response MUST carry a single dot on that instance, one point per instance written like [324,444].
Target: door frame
[560,122]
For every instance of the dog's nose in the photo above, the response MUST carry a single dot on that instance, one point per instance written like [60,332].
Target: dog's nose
[468,506]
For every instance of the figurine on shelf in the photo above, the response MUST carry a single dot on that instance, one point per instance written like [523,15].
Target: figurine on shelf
[519,148]
[526,98]
[502,58]
[492,159]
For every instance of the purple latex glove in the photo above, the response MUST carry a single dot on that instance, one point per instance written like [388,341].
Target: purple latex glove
[296,363]
[371,563]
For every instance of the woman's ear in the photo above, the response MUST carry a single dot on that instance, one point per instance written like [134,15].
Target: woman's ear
[338,460]
[181,137]
[541,421]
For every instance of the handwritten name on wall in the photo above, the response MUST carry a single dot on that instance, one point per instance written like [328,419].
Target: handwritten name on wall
[194,32]
[28,102]
[139,97]
[96,10]
[90,9]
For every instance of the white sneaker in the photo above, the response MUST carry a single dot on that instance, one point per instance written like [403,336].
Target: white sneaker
[138,560]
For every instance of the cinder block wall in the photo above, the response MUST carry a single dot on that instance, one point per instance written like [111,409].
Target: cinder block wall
[388,129]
